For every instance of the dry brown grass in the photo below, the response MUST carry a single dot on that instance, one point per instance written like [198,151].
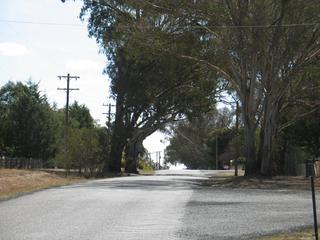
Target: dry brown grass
[278,182]
[297,235]
[14,182]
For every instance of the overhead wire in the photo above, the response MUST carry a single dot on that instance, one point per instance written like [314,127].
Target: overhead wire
[41,23]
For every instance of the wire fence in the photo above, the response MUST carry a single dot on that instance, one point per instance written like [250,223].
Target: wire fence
[21,163]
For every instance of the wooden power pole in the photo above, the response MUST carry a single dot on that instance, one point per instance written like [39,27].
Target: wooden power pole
[109,113]
[67,90]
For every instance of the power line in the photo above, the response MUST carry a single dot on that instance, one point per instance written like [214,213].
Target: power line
[41,23]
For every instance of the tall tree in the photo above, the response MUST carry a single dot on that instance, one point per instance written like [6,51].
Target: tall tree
[81,116]
[299,118]
[152,92]
[259,47]
[26,128]
[149,89]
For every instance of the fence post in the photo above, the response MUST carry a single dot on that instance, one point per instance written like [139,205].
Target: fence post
[315,221]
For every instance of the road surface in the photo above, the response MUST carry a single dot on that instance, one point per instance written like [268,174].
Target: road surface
[170,205]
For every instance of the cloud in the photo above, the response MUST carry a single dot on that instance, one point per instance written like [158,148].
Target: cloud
[84,65]
[12,49]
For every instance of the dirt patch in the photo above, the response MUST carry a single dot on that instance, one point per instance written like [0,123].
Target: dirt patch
[14,182]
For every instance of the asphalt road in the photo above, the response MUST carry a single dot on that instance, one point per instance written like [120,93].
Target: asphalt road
[170,205]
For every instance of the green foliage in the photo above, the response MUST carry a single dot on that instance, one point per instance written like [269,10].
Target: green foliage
[221,139]
[151,88]
[145,166]
[193,142]
[300,120]
[87,144]
[80,116]
[259,48]
[31,128]
[26,126]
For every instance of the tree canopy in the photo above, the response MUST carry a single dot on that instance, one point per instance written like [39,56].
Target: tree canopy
[260,48]
[80,115]
[26,118]
[150,88]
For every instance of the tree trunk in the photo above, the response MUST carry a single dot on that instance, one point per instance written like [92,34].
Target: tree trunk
[114,164]
[135,146]
[131,154]
[118,141]
[252,164]
[268,137]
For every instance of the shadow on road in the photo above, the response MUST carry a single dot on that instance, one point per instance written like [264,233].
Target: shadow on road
[144,184]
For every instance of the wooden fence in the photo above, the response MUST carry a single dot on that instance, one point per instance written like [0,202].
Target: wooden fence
[22,163]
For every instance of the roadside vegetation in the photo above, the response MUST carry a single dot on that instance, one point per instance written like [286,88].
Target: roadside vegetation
[14,182]
[170,64]
[33,134]
[304,234]
[168,71]
[174,61]
[32,131]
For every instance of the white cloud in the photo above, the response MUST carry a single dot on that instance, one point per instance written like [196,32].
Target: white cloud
[12,49]
[84,65]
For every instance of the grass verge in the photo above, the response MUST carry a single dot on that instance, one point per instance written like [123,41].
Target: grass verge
[277,182]
[303,234]
[14,182]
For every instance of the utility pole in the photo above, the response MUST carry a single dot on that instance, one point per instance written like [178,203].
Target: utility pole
[315,221]
[67,90]
[217,163]
[158,158]
[109,114]
[237,141]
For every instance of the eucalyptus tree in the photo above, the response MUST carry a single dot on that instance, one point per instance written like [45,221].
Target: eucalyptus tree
[259,47]
[300,121]
[151,92]
[150,88]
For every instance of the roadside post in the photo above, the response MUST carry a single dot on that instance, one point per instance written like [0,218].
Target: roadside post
[311,173]
[237,140]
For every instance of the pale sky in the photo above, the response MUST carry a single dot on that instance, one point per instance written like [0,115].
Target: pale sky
[43,51]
